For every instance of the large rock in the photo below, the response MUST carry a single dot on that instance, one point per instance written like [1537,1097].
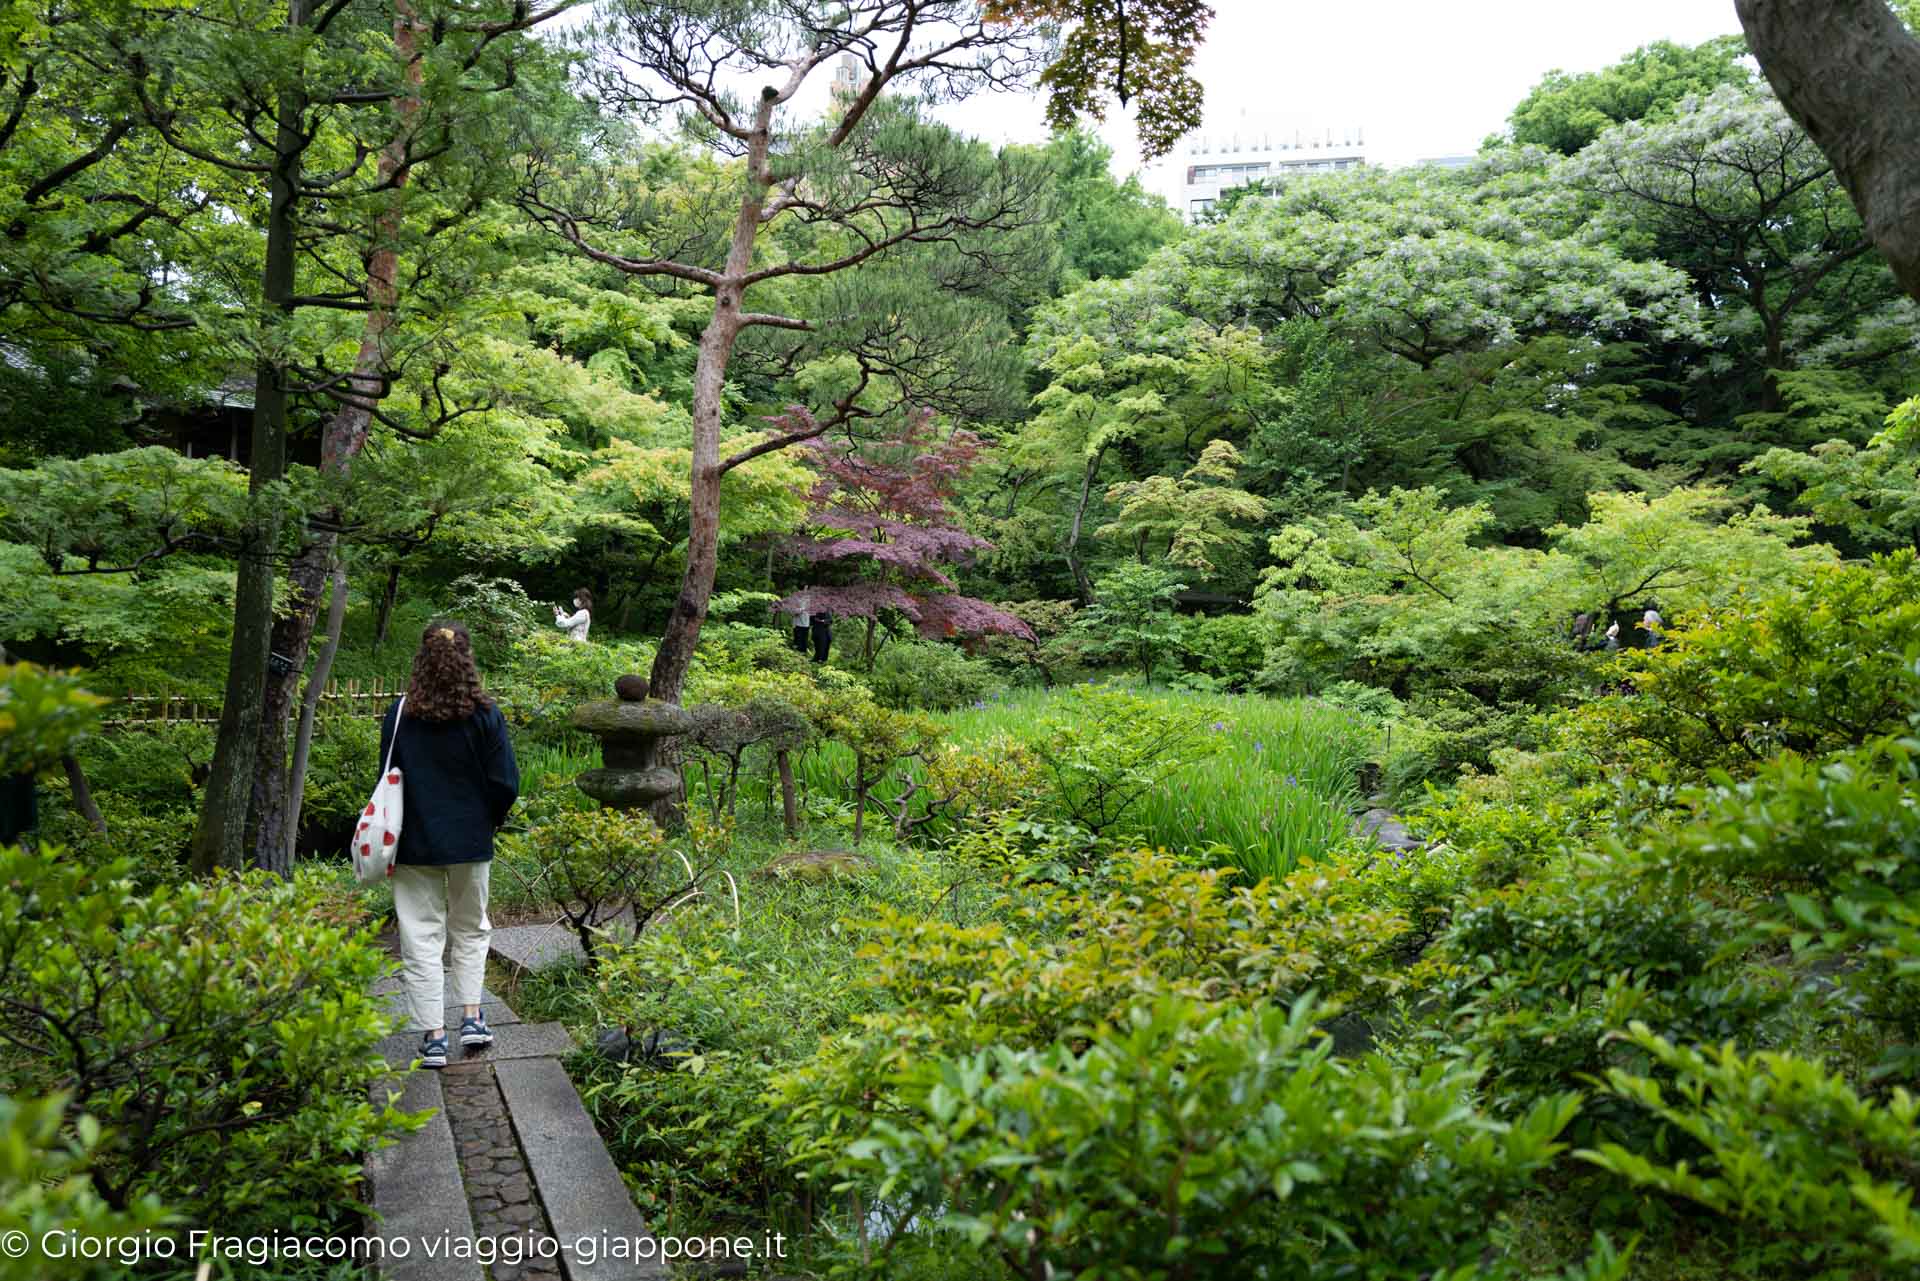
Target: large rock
[651,719]
[815,865]
[630,788]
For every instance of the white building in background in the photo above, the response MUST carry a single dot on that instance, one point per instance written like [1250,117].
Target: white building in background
[1211,163]
[850,79]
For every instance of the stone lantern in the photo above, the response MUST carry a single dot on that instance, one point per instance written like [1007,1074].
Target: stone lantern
[629,729]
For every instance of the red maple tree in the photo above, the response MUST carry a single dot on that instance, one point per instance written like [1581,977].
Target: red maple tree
[884,510]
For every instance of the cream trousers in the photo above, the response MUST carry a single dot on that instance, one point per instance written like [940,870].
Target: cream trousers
[431,903]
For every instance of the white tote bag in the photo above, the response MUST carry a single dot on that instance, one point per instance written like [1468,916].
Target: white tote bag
[378,836]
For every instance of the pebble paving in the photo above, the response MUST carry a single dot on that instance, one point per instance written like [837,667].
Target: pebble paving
[499,1186]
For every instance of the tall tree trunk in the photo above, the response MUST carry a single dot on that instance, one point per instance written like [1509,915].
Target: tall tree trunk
[82,794]
[342,441]
[1080,582]
[859,798]
[675,655]
[310,707]
[292,636]
[388,595]
[789,812]
[1849,73]
[219,840]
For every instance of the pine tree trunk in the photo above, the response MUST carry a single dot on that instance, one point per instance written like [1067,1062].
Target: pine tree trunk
[675,655]
[219,840]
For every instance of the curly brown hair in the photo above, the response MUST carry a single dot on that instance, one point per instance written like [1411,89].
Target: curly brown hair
[445,684]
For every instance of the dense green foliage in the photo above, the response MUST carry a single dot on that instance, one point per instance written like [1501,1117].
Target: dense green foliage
[1567,502]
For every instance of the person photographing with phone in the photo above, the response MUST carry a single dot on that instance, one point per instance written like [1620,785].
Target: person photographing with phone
[576,623]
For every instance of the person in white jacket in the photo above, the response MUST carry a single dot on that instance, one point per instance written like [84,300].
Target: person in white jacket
[577,622]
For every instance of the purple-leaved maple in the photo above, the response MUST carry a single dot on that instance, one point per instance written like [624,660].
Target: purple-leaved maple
[882,522]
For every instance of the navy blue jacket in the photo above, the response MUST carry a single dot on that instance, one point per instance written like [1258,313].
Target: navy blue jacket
[460,780]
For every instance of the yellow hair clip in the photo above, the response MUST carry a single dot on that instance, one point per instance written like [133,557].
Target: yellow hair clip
[447,632]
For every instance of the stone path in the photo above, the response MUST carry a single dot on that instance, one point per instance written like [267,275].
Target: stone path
[531,947]
[499,1185]
[508,1173]
[1384,826]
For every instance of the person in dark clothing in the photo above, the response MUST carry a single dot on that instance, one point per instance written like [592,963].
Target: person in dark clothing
[821,625]
[460,779]
[19,806]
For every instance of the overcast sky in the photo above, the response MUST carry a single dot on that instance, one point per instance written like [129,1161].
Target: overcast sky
[1421,77]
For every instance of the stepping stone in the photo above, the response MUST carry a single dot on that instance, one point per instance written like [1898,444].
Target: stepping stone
[513,1041]
[534,947]
[418,1194]
[1384,826]
[578,1183]
[499,1013]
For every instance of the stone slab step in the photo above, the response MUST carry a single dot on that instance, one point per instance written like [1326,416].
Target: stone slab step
[577,1180]
[418,1193]
[1384,826]
[534,947]
[512,1041]
[499,1013]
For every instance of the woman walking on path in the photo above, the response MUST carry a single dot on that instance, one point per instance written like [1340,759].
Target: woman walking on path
[461,779]
[576,623]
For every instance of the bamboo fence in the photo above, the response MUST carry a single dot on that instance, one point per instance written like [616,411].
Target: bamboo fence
[154,711]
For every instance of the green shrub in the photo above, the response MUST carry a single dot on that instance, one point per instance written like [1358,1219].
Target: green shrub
[927,676]
[741,999]
[1439,738]
[43,716]
[222,1032]
[1192,1140]
[1542,973]
[497,611]
[155,766]
[1131,620]
[344,761]
[150,841]
[548,676]
[1496,840]
[1834,847]
[1053,964]
[1058,654]
[1420,885]
[44,1189]
[1105,749]
[1820,669]
[1808,1178]
[1227,649]
[592,863]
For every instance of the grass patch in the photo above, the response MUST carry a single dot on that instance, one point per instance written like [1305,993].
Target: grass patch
[1273,782]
